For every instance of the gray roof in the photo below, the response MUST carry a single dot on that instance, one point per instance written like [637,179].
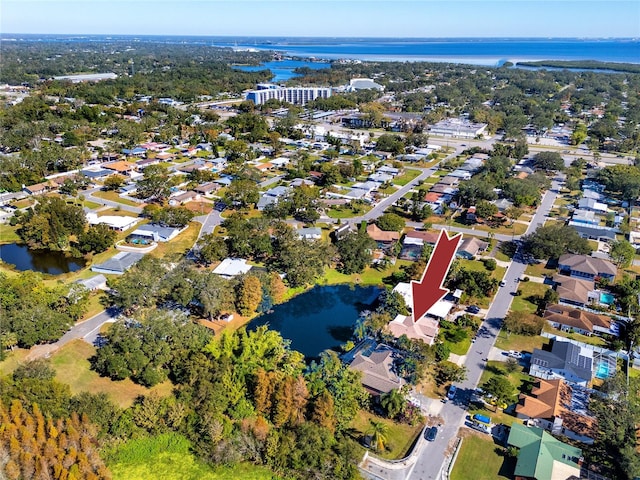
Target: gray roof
[266,200]
[103,172]
[377,369]
[154,228]
[119,263]
[564,356]
[594,232]
[94,282]
[279,191]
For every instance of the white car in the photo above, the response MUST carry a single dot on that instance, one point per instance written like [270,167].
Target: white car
[514,354]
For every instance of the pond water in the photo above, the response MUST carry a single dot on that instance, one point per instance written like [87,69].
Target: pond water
[283,70]
[53,263]
[320,319]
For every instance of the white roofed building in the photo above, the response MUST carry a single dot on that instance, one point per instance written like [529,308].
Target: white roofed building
[113,221]
[231,267]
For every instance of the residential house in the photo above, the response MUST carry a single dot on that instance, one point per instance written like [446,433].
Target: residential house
[207,188]
[503,204]
[414,242]
[231,267]
[97,282]
[471,214]
[224,181]
[584,217]
[123,168]
[389,170]
[379,177]
[443,189]
[271,196]
[425,329]
[602,234]
[584,266]
[40,188]
[569,319]
[383,238]
[470,247]
[575,291]
[310,233]
[156,232]
[440,310]
[378,370]
[562,409]
[462,174]
[184,197]
[341,232]
[449,180]
[96,173]
[566,360]
[541,456]
[592,205]
[145,162]
[118,264]
[114,222]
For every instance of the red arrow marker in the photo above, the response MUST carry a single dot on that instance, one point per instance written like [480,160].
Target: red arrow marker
[429,289]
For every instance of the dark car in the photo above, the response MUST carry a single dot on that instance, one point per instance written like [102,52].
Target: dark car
[431,434]
[473,309]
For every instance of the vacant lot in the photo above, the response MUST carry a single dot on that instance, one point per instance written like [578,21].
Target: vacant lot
[480,458]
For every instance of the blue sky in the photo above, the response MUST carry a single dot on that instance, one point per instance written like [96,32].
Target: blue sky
[349,18]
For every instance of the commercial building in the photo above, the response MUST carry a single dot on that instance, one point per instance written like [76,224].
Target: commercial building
[294,95]
[454,127]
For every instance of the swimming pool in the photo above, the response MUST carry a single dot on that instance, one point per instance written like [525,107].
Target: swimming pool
[607,298]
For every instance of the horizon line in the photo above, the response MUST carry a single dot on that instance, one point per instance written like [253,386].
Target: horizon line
[4,34]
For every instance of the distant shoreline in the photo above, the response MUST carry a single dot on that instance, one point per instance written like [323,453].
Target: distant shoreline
[584,65]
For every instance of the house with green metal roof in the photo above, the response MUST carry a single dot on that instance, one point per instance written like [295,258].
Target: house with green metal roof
[541,456]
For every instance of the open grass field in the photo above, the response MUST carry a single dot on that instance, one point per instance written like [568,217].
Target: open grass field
[480,458]
[169,457]
[114,197]
[522,343]
[91,205]
[526,301]
[8,234]
[72,367]
[539,270]
[400,436]
[408,175]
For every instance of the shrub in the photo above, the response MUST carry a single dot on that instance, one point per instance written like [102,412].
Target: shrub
[490,264]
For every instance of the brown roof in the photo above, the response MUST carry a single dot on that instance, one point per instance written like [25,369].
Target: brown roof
[432,197]
[425,329]
[119,166]
[553,398]
[264,166]
[377,370]
[426,237]
[382,235]
[40,187]
[573,289]
[441,188]
[573,317]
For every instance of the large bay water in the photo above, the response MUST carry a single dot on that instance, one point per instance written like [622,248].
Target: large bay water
[320,319]
[53,263]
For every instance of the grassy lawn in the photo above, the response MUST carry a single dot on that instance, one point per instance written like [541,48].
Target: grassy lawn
[91,205]
[169,457]
[370,276]
[114,197]
[24,203]
[95,306]
[462,347]
[515,229]
[399,438]
[523,343]
[8,234]
[525,302]
[501,256]
[179,245]
[594,340]
[408,175]
[72,367]
[347,212]
[13,360]
[539,270]
[480,458]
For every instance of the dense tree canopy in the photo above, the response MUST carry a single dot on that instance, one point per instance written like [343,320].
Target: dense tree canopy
[551,241]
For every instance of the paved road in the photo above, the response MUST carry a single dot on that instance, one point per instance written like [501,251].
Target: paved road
[88,195]
[87,331]
[209,222]
[431,459]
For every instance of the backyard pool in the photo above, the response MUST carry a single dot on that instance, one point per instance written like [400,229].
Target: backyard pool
[607,298]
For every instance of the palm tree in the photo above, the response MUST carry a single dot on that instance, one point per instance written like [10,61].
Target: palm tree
[393,402]
[378,431]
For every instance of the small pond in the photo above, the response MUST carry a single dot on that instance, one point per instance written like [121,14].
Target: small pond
[53,263]
[320,319]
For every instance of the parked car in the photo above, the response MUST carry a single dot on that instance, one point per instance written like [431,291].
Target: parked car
[502,284]
[452,392]
[514,354]
[431,434]
[481,427]
[473,309]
